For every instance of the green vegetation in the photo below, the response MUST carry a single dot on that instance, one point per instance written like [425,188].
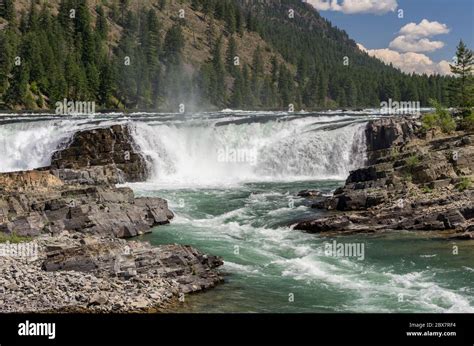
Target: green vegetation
[13,238]
[426,189]
[441,119]
[462,87]
[464,184]
[394,153]
[468,122]
[412,161]
[147,66]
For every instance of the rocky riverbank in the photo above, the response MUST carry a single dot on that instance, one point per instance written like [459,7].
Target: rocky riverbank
[413,181]
[74,272]
[75,215]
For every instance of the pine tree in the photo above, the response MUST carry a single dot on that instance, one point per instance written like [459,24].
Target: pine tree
[17,92]
[257,63]
[196,5]
[162,5]
[5,62]
[230,19]
[7,10]
[352,94]
[173,45]
[275,68]
[322,90]
[310,92]
[33,18]
[124,8]
[247,92]
[239,22]
[101,24]
[463,69]
[237,99]
[218,95]
[285,86]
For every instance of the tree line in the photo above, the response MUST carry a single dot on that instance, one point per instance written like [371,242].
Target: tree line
[45,58]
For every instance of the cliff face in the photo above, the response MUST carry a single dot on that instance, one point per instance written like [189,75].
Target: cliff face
[387,132]
[411,183]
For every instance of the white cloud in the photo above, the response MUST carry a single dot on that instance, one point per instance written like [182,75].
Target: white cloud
[355,6]
[408,44]
[409,62]
[415,37]
[424,29]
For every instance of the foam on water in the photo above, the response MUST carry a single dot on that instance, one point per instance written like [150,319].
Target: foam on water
[299,259]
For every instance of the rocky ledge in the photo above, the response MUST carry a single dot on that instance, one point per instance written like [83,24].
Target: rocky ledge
[35,202]
[413,181]
[75,272]
[76,215]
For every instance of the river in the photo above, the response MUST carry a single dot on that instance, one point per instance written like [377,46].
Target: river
[232,180]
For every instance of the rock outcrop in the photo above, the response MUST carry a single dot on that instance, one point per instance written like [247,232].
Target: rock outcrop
[45,204]
[76,215]
[387,132]
[111,147]
[74,272]
[411,183]
[77,192]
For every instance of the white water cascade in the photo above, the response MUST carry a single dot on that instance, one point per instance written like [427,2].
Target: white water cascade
[276,150]
[212,150]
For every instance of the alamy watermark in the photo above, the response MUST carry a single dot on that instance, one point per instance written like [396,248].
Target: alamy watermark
[68,107]
[20,250]
[37,329]
[400,107]
[336,249]
[237,155]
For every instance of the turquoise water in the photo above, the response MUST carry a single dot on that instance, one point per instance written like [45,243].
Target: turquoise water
[271,268]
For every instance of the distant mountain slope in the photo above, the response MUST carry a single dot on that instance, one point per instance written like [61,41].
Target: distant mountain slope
[163,54]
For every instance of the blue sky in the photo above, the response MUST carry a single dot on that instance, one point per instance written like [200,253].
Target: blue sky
[431,29]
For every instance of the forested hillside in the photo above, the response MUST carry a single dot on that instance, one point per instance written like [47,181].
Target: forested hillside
[204,54]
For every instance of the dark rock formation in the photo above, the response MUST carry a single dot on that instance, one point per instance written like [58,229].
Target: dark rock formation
[413,183]
[77,192]
[309,193]
[386,132]
[112,147]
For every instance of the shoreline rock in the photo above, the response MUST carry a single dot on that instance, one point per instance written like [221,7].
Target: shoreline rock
[32,203]
[77,216]
[82,273]
[412,182]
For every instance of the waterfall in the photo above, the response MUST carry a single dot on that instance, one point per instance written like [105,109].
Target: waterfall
[274,150]
[208,150]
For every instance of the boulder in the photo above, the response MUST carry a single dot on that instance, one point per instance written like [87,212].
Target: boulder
[112,147]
